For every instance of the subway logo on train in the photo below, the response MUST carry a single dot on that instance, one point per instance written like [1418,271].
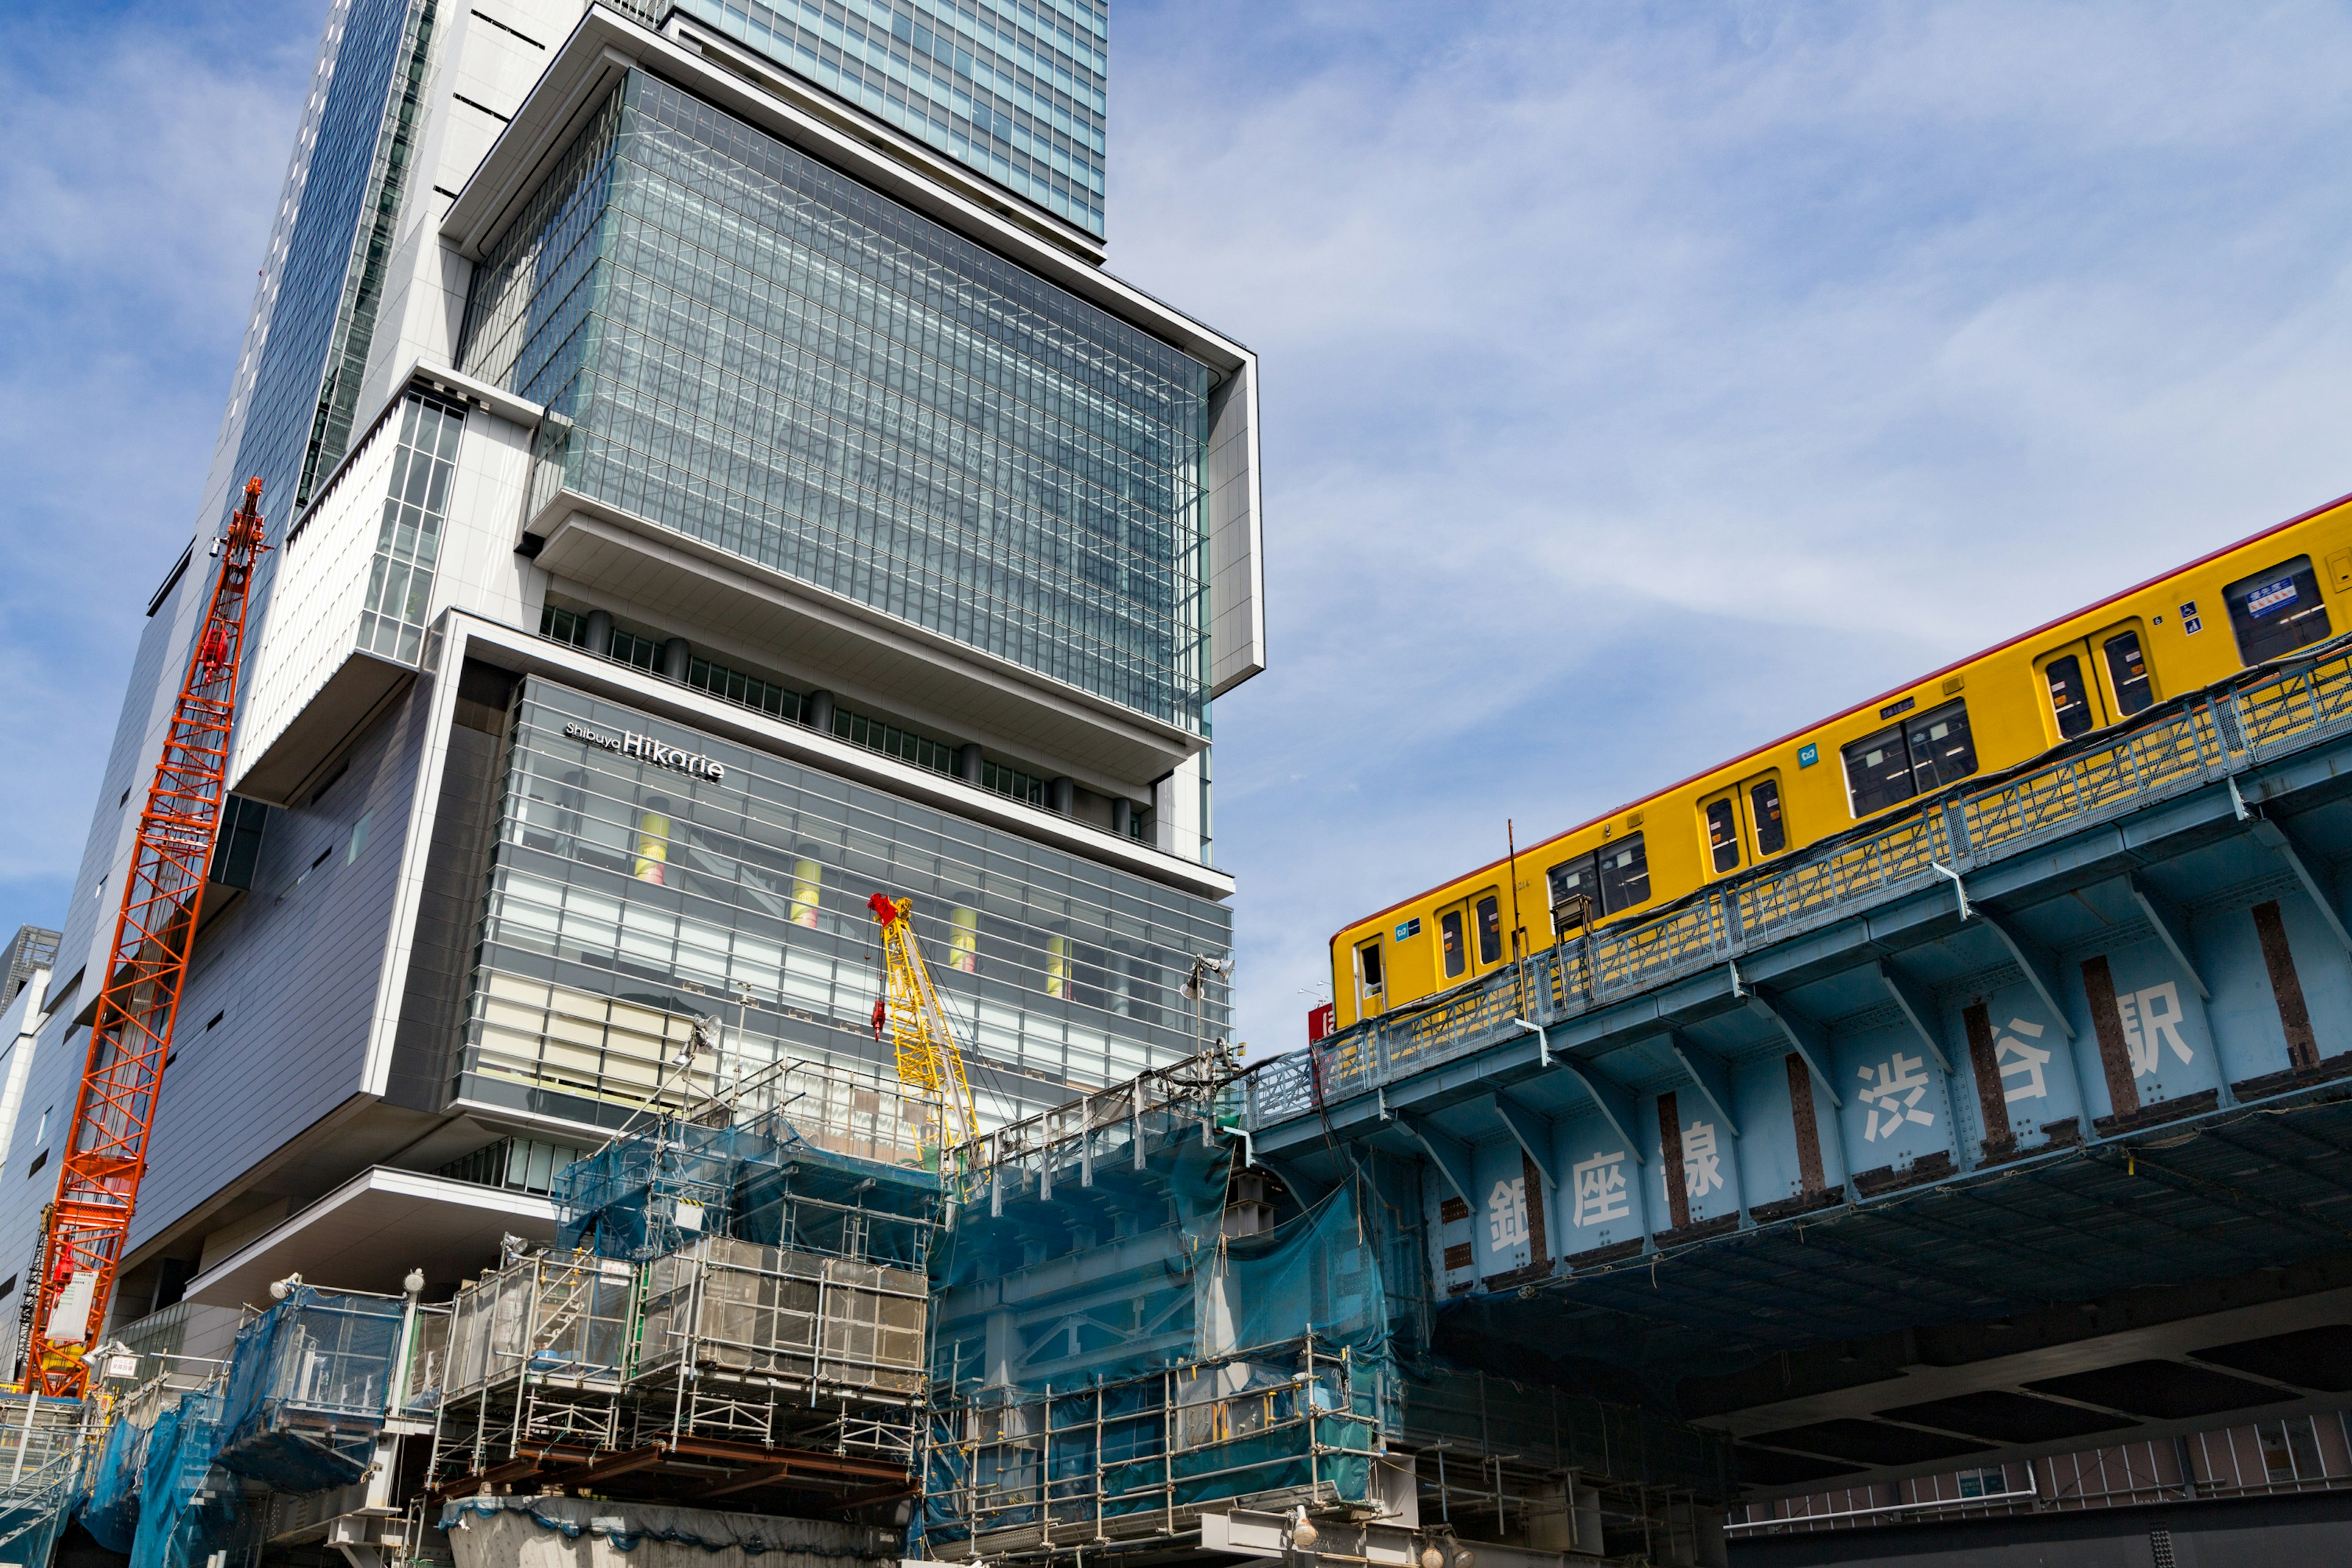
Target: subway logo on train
[2249,603]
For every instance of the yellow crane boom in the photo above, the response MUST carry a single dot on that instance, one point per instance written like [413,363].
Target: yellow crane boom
[929,1061]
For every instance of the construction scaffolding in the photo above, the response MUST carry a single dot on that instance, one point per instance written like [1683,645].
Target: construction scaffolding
[1143,1339]
[741,1312]
[41,1443]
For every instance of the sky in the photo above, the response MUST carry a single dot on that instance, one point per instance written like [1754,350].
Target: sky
[1640,383]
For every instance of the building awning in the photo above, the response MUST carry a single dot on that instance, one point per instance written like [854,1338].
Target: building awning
[370,1232]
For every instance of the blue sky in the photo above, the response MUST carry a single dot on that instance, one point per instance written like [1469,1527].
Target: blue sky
[1640,382]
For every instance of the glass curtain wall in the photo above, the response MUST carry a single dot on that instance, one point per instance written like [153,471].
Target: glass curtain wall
[1013,90]
[753,349]
[631,894]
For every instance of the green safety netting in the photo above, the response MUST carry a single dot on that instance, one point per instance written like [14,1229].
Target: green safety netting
[307,1389]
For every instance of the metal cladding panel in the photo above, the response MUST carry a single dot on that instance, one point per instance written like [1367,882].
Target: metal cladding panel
[293,972]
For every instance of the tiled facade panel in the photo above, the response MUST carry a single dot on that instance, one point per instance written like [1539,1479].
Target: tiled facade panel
[294,971]
[760,353]
[630,895]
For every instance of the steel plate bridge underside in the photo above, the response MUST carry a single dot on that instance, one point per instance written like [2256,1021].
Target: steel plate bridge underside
[2017,1124]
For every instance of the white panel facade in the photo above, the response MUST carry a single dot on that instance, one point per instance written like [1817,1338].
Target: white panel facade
[1236,562]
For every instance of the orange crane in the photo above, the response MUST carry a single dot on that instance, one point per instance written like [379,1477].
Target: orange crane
[929,1061]
[130,1036]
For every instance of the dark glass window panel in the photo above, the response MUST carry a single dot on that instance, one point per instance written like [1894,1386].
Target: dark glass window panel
[1449,938]
[1624,874]
[1764,799]
[1878,772]
[1490,931]
[1575,884]
[1723,834]
[1369,956]
[2127,671]
[2068,701]
[2276,611]
[1942,749]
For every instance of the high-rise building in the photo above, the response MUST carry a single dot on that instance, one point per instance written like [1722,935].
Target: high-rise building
[712,478]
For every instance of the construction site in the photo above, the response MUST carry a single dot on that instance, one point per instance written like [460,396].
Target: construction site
[651,977]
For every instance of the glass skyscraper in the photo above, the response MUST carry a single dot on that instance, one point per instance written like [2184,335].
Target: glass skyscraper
[695,513]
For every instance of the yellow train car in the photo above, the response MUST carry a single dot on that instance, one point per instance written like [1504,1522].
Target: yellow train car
[2261,599]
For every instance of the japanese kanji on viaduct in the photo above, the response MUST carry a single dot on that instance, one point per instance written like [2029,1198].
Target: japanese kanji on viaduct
[2023,1120]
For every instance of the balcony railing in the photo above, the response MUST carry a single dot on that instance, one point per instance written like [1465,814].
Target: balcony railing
[2180,746]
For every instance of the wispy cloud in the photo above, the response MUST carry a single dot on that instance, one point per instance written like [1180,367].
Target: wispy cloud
[146,146]
[1642,385]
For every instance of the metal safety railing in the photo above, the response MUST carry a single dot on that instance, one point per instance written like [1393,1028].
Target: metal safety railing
[2183,745]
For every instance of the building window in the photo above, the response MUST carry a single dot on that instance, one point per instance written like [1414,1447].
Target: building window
[1064,532]
[408,542]
[2276,611]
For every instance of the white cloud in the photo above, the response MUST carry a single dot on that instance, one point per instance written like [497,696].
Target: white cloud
[1641,385]
[145,151]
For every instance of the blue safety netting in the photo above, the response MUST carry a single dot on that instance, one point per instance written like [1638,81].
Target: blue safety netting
[654,1191]
[187,1508]
[673,1183]
[109,1510]
[1186,1368]
[307,1387]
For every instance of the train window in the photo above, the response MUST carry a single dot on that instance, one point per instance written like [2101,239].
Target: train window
[2276,611]
[1490,930]
[1895,764]
[2068,701]
[1723,834]
[1878,772]
[1449,939]
[1624,874]
[1368,959]
[1942,749]
[1764,799]
[2128,669]
[1575,893]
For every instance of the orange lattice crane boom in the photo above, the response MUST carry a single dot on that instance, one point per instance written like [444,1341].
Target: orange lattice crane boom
[929,1062]
[131,1034]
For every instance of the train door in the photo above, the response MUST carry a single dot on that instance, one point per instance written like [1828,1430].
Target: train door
[1371,981]
[1768,831]
[1488,915]
[2120,663]
[1453,942]
[2071,695]
[1719,817]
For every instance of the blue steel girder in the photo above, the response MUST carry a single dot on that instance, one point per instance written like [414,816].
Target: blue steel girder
[2309,870]
[1616,1105]
[2040,968]
[1708,1072]
[1448,1153]
[2171,929]
[1530,1131]
[1917,1009]
[1805,1036]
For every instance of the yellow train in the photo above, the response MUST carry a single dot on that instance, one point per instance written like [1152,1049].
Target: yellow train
[2283,589]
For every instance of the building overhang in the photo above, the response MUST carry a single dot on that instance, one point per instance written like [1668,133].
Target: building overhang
[370,1232]
[677,579]
[467,636]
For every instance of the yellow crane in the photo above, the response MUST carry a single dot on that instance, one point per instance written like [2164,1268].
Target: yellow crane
[929,1062]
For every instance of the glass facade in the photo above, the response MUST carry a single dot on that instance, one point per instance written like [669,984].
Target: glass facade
[308,322]
[754,349]
[632,895]
[1014,90]
[408,541]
